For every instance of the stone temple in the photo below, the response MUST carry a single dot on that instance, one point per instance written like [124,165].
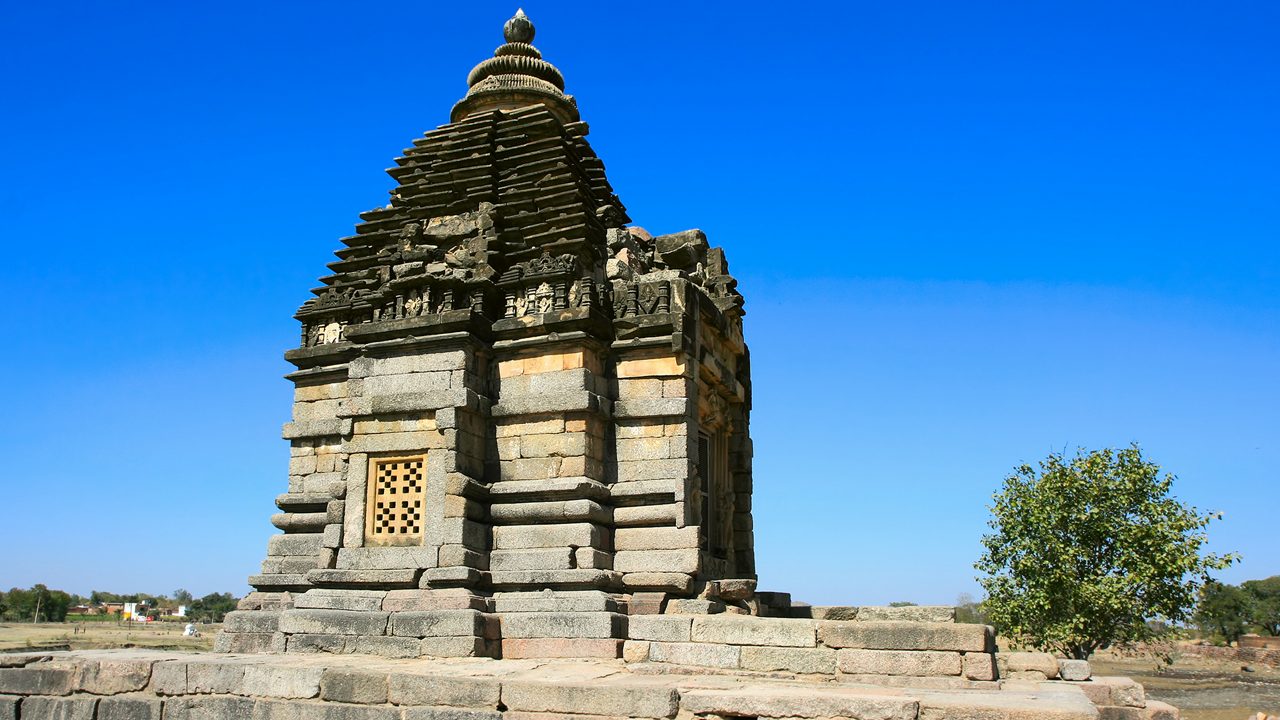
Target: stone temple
[507,399]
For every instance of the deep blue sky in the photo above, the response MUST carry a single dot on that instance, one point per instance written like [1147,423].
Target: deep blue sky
[969,234]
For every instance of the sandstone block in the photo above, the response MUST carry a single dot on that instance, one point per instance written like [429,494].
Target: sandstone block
[695,606]
[228,642]
[635,651]
[1074,670]
[1116,712]
[663,628]
[892,635]
[325,599]
[251,621]
[36,681]
[113,676]
[542,559]
[1123,691]
[129,708]
[437,623]
[524,537]
[1157,710]
[9,709]
[1032,665]
[49,708]
[281,681]
[349,686]
[692,653]
[209,708]
[563,625]
[658,581]
[798,702]
[516,648]
[390,647]
[295,544]
[979,666]
[1005,705]
[455,691]
[437,599]
[796,660]
[921,663]
[656,538]
[333,622]
[465,646]
[736,630]
[909,613]
[313,643]
[638,700]
[220,678]
[554,601]
[631,471]
[677,561]
[446,713]
[651,367]
[169,678]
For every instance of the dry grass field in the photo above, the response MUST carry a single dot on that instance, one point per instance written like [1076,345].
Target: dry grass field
[1205,689]
[96,635]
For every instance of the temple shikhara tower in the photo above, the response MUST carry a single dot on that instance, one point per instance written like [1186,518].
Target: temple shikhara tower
[508,398]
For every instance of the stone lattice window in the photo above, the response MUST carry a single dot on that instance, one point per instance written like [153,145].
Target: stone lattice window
[393,509]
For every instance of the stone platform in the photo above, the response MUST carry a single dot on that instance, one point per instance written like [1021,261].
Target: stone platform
[150,685]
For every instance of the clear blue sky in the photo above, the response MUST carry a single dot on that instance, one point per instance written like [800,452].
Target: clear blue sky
[969,233]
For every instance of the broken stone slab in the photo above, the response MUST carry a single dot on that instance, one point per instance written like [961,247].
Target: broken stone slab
[906,613]
[1027,665]
[748,630]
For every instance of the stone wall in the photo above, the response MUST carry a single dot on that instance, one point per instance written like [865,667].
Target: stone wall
[147,685]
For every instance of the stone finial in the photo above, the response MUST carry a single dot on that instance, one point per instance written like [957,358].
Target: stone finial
[516,76]
[519,29]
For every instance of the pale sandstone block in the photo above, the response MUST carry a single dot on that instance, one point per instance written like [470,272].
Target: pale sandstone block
[798,702]
[635,651]
[679,561]
[661,581]
[651,367]
[524,537]
[553,601]
[657,538]
[675,388]
[390,647]
[213,677]
[516,648]
[1005,705]
[113,675]
[644,448]
[890,635]
[455,691]
[979,666]
[699,654]
[333,622]
[735,630]
[630,389]
[564,444]
[640,428]
[1115,712]
[544,426]
[664,628]
[1028,664]
[1074,670]
[1157,710]
[909,613]
[539,559]
[563,625]
[353,686]
[899,662]
[639,700]
[251,621]
[437,623]
[281,681]
[796,660]
[1123,691]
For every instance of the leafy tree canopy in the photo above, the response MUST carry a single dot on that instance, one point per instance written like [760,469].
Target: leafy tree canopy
[1086,550]
[1265,600]
[1223,610]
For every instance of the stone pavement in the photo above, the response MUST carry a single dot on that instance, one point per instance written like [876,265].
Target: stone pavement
[150,685]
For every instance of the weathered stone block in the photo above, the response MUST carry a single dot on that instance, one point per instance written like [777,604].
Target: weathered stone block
[699,654]
[554,601]
[796,660]
[516,648]
[436,599]
[390,647]
[295,544]
[481,693]
[678,561]
[656,538]
[314,643]
[890,635]
[437,623]
[218,678]
[695,606]
[663,628]
[352,686]
[921,663]
[1157,710]
[563,625]
[1005,705]
[630,471]
[639,700]
[446,713]
[251,621]
[737,630]
[326,599]
[663,581]
[1123,691]
[35,680]
[282,681]
[333,622]
[209,708]
[229,642]
[9,708]
[540,559]
[1074,670]
[798,702]
[129,708]
[980,666]
[469,646]
[524,537]
[49,708]
[169,678]
[909,613]
[110,676]
[1027,665]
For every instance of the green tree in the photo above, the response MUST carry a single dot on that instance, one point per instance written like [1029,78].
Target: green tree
[1086,550]
[1265,596]
[182,597]
[1223,610]
[969,610]
[212,607]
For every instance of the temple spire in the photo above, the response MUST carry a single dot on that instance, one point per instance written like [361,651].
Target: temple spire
[516,76]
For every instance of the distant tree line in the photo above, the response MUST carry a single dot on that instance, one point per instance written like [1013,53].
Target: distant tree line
[40,604]
[1225,612]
